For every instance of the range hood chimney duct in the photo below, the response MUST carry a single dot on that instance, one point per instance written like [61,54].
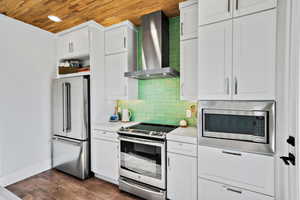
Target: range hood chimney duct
[155,49]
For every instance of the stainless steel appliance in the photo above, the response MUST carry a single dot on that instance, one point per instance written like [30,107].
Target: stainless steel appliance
[71,126]
[143,160]
[239,125]
[155,49]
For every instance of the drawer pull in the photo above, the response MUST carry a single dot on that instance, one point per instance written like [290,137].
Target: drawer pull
[234,190]
[232,153]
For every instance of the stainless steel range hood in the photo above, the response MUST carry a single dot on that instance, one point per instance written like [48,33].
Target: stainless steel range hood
[155,49]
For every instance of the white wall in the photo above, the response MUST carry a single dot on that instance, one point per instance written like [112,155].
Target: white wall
[27,62]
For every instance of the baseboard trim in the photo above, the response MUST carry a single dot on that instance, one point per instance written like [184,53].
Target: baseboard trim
[25,173]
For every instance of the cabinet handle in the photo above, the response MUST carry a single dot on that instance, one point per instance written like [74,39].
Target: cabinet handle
[181,89]
[237,5]
[229,6]
[181,28]
[227,85]
[234,190]
[232,153]
[71,47]
[168,161]
[124,42]
[235,86]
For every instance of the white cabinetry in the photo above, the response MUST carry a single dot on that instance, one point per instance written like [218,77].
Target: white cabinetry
[105,155]
[254,39]
[209,190]
[115,40]
[74,44]
[211,11]
[244,7]
[215,61]
[214,10]
[251,42]
[120,50]
[245,170]
[188,19]
[189,50]
[181,171]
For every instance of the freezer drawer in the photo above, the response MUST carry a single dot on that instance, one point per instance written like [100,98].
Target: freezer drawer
[71,156]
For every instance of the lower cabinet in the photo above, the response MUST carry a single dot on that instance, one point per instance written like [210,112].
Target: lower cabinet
[253,172]
[105,157]
[209,190]
[181,177]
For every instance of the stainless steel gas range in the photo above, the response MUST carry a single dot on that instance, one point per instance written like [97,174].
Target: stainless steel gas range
[143,160]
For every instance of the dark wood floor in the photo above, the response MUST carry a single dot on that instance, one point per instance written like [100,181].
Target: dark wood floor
[54,185]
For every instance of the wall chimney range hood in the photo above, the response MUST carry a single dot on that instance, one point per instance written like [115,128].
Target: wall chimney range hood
[155,49]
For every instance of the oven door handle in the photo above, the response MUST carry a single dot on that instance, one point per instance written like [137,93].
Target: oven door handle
[142,141]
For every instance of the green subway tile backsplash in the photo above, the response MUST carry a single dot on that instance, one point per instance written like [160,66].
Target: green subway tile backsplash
[159,99]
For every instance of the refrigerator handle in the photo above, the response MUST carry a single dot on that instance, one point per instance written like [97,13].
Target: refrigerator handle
[68,107]
[63,106]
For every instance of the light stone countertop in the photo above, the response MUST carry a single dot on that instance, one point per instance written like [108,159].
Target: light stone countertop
[112,126]
[186,135]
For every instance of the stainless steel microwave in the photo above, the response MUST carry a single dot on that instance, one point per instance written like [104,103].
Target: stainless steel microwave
[239,125]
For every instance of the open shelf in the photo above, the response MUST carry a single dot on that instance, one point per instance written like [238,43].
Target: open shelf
[73,74]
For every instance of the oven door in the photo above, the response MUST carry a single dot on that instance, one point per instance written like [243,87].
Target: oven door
[236,125]
[143,160]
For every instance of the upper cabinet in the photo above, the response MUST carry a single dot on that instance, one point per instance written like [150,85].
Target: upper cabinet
[189,20]
[244,7]
[214,10]
[211,11]
[120,57]
[188,50]
[120,39]
[116,40]
[215,61]
[254,60]
[74,44]
[237,58]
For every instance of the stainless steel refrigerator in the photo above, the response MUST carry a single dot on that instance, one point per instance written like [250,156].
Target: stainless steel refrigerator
[71,126]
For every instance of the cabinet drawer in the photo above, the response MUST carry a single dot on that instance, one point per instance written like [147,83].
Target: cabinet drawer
[209,190]
[245,170]
[99,134]
[182,148]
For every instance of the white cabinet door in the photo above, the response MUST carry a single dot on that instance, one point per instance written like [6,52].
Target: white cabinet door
[115,82]
[211,11]
[181,177]
[74,44]
[115,40]
[254,61]
[189,22]
[189,69]
[105,158]
[80,42]
[63,46]
[209,190]
[215,61]
[246,170]
[244,7]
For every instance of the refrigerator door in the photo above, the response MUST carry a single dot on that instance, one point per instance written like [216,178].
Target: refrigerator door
[70,107]
[71,156]
[57,108]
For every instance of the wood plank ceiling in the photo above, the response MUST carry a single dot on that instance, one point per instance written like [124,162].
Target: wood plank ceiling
[75,12]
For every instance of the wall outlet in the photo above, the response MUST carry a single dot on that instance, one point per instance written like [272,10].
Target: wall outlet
[188,113]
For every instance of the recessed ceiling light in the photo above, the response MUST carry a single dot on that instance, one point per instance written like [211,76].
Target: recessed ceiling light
[54,18]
